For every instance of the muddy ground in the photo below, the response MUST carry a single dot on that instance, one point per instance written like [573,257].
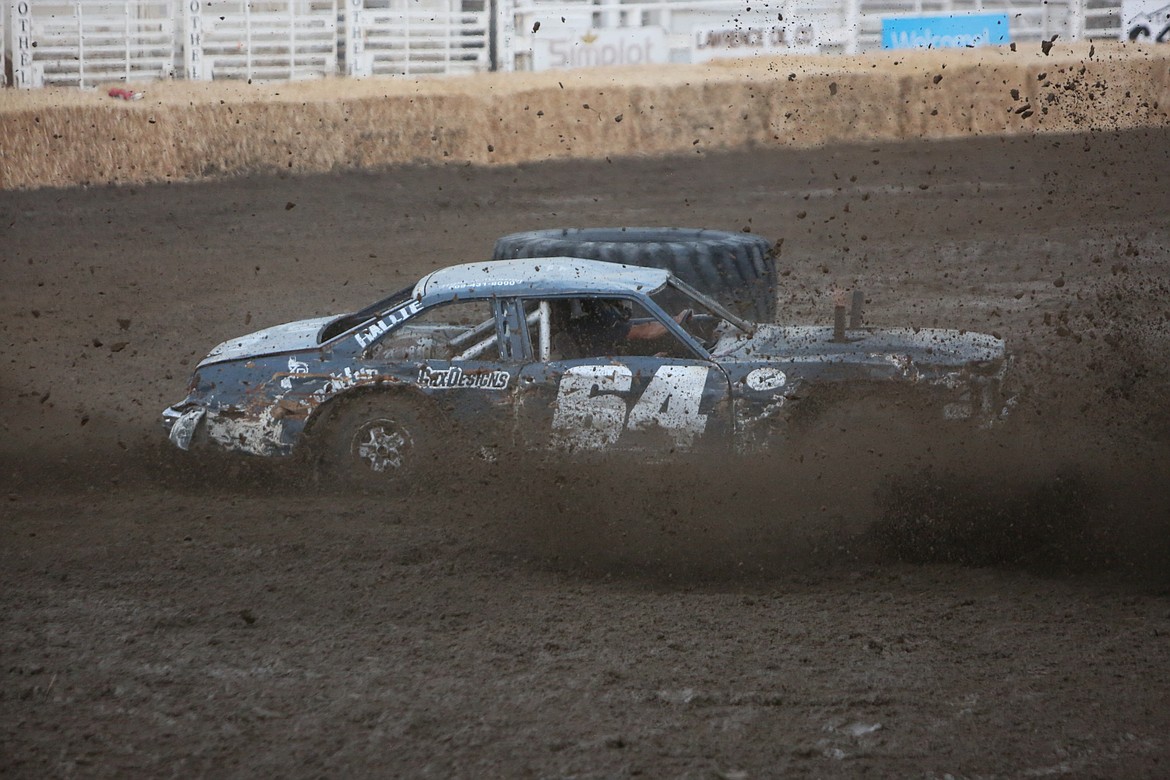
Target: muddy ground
[1003,612]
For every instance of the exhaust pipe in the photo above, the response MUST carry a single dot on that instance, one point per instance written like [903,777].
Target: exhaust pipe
[855,311]
[854,315]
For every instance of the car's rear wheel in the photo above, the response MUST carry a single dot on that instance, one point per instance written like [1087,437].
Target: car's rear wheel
[851,440]
[374,440]
[736,269]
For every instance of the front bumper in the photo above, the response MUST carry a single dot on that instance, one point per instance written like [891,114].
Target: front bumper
[193,426]
[181,425]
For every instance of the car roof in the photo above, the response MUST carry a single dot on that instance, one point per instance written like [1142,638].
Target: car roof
[538,276]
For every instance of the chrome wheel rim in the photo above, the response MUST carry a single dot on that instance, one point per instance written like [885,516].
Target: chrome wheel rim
[382,446]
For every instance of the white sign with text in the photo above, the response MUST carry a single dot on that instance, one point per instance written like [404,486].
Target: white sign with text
[623,46]
[720,43]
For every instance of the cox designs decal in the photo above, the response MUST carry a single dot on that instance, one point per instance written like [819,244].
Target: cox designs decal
[589,413]
[455,377]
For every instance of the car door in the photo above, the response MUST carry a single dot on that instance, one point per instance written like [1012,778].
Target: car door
[462,355]
[661,397]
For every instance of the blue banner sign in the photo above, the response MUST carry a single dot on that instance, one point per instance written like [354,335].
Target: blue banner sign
[944,32]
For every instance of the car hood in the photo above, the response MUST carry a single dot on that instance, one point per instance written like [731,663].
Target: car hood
[922,346]
[289,337]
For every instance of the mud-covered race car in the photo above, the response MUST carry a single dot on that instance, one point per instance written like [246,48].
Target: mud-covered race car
[566,354]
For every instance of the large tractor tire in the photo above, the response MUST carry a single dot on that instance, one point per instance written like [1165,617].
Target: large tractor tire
[736,269]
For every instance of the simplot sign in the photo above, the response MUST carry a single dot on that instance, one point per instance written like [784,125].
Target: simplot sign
[624,46]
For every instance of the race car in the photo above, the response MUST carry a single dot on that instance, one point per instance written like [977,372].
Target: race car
[563,354]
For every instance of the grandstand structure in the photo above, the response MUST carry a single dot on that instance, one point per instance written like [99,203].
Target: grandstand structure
[84,43]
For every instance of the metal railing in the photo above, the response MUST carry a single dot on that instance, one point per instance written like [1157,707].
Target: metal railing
[414,41]
[266,41]
[3,45]
[84,42]
[103,41]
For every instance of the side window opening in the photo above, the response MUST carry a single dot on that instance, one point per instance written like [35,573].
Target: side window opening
[576,328]
[459,330]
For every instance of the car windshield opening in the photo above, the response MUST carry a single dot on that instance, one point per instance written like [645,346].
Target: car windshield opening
[347,322]
[677,295]
[704,319]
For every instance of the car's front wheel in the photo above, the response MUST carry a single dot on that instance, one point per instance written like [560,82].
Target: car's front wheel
[373,440]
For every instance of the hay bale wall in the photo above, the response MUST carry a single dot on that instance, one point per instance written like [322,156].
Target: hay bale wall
[187,131]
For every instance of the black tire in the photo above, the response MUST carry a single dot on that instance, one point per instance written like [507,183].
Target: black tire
[737,269]
[375,440]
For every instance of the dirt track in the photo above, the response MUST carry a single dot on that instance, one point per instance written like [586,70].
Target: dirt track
[574,621]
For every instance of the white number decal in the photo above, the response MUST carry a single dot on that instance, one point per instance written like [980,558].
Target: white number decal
[587,414]
[671,402]
[583,418]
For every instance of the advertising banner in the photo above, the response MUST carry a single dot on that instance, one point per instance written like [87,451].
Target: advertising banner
[720,43]
[622,46]
[945,32]
[1145,21]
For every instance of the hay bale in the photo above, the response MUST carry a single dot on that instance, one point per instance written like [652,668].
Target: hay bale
[187,131]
